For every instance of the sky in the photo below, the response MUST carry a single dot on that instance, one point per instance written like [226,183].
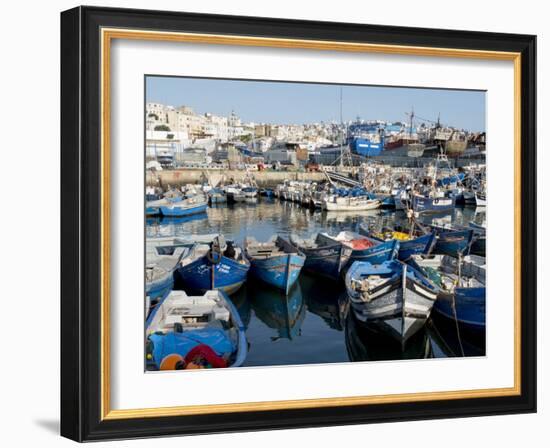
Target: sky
[300,103]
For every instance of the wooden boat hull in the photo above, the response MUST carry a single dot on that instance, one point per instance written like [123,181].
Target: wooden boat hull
[352,207]
[399,307]
[183,210]
[280,271]
[469,304]
[453,242]
[425,205]
[407,248]
[326,261]
[202,275]
[383,251]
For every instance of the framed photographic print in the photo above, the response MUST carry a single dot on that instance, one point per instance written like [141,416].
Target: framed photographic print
[275,224]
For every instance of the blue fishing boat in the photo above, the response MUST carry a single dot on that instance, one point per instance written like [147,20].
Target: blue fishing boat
[408,245]
[323,256]
[185,207]
[276,262]
[205,331]
[358,247]
[267,192]
[461,287]
[152,208]
[426,204]
[219,264]
[386,201]
[452,241]
[393,297]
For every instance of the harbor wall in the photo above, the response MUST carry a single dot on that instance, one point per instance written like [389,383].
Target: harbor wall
[264,179]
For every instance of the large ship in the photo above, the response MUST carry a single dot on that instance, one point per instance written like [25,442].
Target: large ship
[365,139]
[409,141]
[367,147]
[456,144]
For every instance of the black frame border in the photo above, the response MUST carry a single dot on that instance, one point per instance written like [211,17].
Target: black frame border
[81,223]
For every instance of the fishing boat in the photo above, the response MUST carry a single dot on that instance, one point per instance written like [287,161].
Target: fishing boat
[195,331]
[432,203]
[161,262]
[461,287]
[234,194]
[275,262]
[217,196]
[185,207]
[479,242]
[152,208]
[267,192]
[358,247]
[386,201]
[218,264]
[324,256]
[481,199]
[393,297]
[409,244]
[350,203]
[250,192]
[452,241]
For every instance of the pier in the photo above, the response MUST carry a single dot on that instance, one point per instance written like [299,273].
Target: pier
[264,179]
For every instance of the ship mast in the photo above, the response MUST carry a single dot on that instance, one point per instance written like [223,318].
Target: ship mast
[411,123]
[341,130]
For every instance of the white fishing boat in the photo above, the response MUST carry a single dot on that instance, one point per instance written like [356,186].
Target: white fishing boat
[161,260]
[481,199]
[234,193]
[350,203]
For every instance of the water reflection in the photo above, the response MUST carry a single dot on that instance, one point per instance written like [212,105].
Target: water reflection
[313,324]
[364,344]
[282,313]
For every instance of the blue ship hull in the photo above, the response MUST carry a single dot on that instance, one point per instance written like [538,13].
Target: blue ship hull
[383,251]
[453,242]
[182,211]
[280,271]
[421,204]
[201,275]
[408,248]
[366,148]
[420,245]
[470,308]
[386,201]
[325,261]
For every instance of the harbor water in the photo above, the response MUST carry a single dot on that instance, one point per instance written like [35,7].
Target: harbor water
[313,323]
